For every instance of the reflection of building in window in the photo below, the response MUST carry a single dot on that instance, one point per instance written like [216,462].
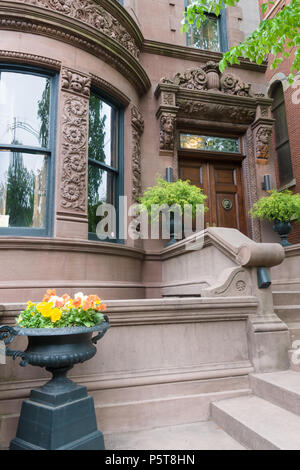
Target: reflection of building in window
[25,151]
[282,143]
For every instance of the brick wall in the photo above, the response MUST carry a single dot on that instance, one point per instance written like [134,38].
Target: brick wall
[292,112]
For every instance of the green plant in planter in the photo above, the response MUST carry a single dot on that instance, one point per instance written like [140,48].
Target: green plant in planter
[280,207]
[173,195]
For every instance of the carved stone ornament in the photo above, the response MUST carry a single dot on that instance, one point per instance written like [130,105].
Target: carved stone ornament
[213,111]
[263,142]
[208,78]
[89,12]
[75,83]
[74,150]
[232,85]
[167,131]
[137,123]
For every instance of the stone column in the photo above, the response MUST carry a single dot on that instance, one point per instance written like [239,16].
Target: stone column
[72,157]
[137,125]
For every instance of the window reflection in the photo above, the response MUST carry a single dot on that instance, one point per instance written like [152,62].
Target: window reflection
[23,189]
[24,109]
[207,36]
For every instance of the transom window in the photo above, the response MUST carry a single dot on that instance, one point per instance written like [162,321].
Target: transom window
[26,155]
[205,142]
[105,162]
[211,35]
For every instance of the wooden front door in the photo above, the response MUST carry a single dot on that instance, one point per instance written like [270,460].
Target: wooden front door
[222,183]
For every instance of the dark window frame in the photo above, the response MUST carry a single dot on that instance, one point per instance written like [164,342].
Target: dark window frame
[50,151]
[222,31]
[277,107]
[117,171]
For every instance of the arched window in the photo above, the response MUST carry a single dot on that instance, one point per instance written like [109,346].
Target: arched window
[282,143]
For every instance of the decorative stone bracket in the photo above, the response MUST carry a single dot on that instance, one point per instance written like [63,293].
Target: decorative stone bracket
[262,130]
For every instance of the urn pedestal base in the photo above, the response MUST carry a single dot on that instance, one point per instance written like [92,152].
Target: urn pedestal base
[58,416]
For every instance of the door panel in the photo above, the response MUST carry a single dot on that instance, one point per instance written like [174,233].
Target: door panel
[222,183]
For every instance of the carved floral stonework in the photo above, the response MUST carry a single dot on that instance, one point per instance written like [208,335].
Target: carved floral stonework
[75,82]
[233,85]
[209,78]
[167,131]
[212,111]
[94,15]
[137,123]
[263,143]
[74,153]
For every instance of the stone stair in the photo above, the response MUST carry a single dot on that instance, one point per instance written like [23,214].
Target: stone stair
[269,419]
[287,307]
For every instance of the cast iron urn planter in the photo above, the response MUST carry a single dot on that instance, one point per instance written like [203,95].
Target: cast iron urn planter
[59,415]
[283,229]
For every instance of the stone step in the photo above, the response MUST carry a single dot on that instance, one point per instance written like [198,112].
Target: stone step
[288,313]
[258,424]
[281,388]
[205,435]
[294,329]
[286,297]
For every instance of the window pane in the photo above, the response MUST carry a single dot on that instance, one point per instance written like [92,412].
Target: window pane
[102,132]
[205,37]
[285,169]
[202,142]
[101,190]
[23,189]
[24,109]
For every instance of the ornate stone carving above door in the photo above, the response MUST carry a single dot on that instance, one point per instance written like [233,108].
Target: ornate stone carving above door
[210,78]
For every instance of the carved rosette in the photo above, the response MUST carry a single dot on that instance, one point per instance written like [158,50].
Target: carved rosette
[137,123]
[233,85]
[74,135]
[89,12]
[167,131]
[263,143]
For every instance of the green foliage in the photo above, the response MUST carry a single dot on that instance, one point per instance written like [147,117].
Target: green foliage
[282,206]
[179,193]
[278,36]
[32,318]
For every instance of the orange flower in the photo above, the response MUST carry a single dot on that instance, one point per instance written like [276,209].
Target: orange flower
[87,304]
[59,303]
[103,307]
[66,297]
[50,293]
[93,298]
[77,302]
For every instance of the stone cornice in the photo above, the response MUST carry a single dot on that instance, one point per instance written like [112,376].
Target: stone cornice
[120,13]
[195,55]
[36,20]
[33,59]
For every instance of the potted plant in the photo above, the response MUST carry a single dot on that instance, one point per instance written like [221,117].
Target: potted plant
[172,196]
[281,208]
[60,414]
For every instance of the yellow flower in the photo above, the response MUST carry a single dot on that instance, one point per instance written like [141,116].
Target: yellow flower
[30,304]
[45,309]
[55,315]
